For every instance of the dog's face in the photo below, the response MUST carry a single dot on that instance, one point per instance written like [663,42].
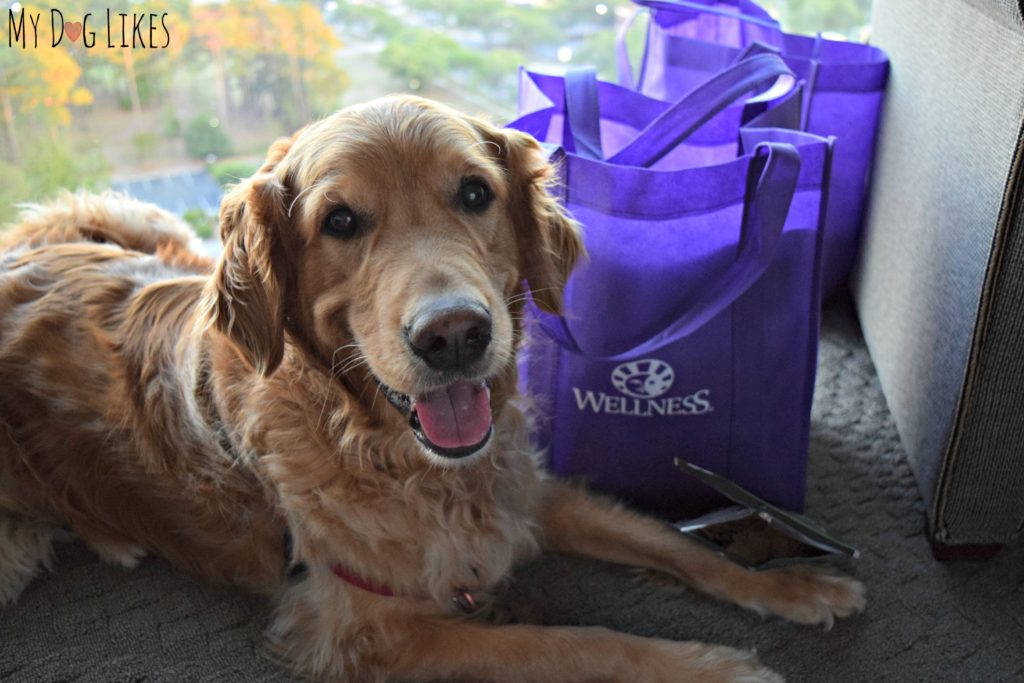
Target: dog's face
[393,238]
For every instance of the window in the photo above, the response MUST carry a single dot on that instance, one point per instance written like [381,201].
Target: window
[170,100]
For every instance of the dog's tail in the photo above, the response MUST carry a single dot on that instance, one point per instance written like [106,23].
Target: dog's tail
[109,217]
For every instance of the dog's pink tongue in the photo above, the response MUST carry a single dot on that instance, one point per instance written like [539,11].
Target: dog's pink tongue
[456,416]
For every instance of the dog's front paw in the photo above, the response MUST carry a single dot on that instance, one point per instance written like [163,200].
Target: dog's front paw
[118,554]
[808,595]
[717,664]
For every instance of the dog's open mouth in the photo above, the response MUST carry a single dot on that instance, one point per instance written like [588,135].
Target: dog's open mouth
[453,421]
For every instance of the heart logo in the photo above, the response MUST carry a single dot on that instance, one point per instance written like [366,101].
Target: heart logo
[73,30]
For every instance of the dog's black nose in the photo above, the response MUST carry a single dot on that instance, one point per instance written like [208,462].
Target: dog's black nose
[450,334]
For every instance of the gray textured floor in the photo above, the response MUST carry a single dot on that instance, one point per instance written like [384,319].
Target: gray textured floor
[925,621]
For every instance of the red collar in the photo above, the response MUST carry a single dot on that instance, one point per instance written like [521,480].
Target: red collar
[461,598]
[345,574]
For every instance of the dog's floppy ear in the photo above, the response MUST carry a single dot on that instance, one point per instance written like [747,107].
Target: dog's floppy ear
[548,238]
[245,300]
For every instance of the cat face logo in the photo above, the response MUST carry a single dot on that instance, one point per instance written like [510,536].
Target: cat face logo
[647,378]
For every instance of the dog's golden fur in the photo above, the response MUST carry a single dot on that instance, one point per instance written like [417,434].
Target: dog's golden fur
[152,401]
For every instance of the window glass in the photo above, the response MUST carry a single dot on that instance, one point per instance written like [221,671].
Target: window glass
[171,100]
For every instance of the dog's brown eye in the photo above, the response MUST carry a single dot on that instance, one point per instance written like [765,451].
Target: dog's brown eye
[474,195]
[341,223]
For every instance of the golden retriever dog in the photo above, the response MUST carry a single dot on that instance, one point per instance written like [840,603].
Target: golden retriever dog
[328,413]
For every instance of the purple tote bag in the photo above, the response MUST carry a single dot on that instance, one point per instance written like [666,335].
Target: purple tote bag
[691,329]
[844,84]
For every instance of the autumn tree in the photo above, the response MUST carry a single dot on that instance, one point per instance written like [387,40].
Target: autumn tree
[284,48]
[310,49]
[120,47]
[39,84]
[223,32]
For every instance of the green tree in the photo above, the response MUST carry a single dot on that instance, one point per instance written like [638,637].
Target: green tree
[205,136]
[367,20]
[580,16]
[498,23]
[495,72]
[50,166]
[14,188]
[526,28]
[814,16]
[230,171]
[55,165]
[204,224]
[598,50]
[420,56]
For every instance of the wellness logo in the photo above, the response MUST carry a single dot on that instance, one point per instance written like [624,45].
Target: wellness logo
[643,384]
[111,29]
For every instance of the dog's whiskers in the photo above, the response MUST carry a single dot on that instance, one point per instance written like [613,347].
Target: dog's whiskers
[377,392]
[296,199]
[353,363]
[350,364]
[526,295]
[493,144]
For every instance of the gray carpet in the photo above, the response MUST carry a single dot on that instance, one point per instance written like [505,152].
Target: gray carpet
[925,621]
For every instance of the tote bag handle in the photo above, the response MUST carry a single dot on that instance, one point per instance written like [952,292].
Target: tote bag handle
[582,113]
[754,14]
[582,135]
[753,74]
[771,182]
[624,64]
